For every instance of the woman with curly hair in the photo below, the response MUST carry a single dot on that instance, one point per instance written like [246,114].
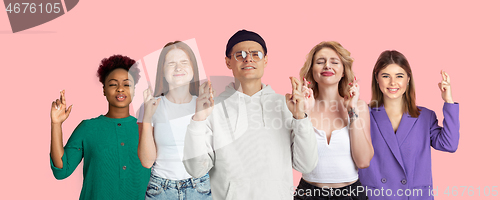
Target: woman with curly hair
[107,143]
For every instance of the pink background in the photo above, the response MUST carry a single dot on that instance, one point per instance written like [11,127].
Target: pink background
[461,38]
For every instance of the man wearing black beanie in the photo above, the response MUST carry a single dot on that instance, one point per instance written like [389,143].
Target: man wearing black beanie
[249,138]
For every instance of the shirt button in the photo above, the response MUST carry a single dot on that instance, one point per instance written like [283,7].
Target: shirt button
[384,180]
[122,144]
[119,124]
[403,181]
[124,167]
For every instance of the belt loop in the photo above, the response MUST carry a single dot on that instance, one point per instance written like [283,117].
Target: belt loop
[192,182]
[166,184]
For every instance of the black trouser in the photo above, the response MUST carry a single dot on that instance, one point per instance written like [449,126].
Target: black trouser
[306,191]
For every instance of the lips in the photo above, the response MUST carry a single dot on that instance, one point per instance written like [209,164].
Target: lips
[393,90]
[328,73]
[121,97]
[179,74]
[248,68]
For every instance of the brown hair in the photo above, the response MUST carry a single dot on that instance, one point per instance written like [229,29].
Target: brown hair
[161,85]
[409,97]
[345,57]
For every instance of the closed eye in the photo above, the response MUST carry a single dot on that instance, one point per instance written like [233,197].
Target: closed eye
[320,61]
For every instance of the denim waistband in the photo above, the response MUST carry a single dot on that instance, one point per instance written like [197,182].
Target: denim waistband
[184,183]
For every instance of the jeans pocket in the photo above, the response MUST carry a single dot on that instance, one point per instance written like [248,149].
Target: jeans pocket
[203,187]
[153,189]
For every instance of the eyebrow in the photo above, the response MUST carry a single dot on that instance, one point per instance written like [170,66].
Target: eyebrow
[326,59]
[389,74]
[117,80]
[255,50]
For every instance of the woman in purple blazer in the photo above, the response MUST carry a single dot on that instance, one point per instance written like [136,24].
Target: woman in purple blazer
[402,133]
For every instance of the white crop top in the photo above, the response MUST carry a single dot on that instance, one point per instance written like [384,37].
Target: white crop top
[335,164]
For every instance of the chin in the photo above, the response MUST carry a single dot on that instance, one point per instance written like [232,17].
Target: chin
[394,96]
[121,104]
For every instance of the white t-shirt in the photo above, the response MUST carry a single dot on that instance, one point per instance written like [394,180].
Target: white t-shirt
[170,122]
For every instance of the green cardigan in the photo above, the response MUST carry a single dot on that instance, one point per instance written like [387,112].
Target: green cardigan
[111,167]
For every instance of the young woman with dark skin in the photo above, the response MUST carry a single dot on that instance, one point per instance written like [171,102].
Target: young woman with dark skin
[107,143]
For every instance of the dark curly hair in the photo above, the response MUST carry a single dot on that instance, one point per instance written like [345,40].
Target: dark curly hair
[116,62]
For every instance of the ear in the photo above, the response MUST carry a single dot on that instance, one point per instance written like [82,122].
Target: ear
[103,92]
[265,61]
[228,61]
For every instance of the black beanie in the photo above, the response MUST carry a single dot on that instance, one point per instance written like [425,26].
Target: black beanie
[244,35]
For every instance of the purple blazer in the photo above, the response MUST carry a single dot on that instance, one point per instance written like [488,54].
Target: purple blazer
[402,161]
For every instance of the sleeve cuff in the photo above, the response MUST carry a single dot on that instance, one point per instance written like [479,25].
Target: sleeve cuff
[52,163]
[306,116]
[197,127]
[301,125]
[453,105]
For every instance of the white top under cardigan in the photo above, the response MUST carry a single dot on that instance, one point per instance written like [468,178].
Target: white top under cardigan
[170,122]
[335,164]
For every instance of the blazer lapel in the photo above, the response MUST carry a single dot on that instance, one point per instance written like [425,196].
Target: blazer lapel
[405,127]
[385,128]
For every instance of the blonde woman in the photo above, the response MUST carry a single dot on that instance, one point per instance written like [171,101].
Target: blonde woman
[341,125]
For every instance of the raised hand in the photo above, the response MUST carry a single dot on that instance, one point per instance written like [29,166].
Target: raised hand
[58,111]
[351,100]
[445,87]
[204,102]
[309,96]
[150,105]
[296,102]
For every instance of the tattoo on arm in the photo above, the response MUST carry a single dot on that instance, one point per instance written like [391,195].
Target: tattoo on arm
[353,115]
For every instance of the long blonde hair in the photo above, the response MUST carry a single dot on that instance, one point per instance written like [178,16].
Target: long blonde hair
[345,57]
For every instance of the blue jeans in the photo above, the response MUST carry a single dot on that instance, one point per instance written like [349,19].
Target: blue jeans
[187,189]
